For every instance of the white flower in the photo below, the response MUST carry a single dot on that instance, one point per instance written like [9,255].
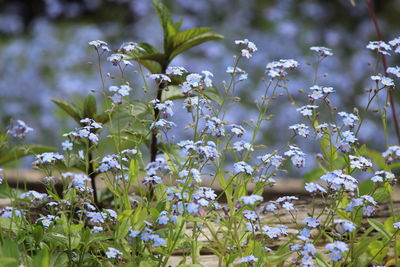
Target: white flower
[307,110]
[99,44]
[394,71]
[160,77]
[322,51]
[386,81]
[380,46]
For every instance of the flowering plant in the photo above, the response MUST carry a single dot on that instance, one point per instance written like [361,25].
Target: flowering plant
[148,211]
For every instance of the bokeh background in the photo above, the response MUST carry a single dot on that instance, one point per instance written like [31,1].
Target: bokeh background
[44,52]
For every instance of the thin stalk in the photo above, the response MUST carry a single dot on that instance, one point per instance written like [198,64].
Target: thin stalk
[385,66]
[153,145]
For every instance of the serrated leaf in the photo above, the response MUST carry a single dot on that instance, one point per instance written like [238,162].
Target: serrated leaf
[20,151]
[69,108]
[202,38]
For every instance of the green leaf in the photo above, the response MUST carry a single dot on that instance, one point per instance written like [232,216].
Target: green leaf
[313,175]
[9,248]
[382,193]
[388,225]
[147,263]
[380,228]
[69,108]
[189,265]
[58,238]
[227,189]
[186,35]
[38,233]
[375,249]
[90,107]
[94,238]
[103,117]
[42,259]
[213,94]
[279,258]
[164,16]
[202,38]
[122,228]
[320,260]
[6,224]
[138,108]
[149,57]
[19,151]
[59,259]
[173,92]
[160,192]
[363,244]
[365,187]
[133,171]
[377,158]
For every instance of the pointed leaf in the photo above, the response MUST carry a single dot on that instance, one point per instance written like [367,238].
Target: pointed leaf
[163,15]
[186,35]
[42,259]
[173,92]
[69,108]
[103,117]
[149,57]
[202,38]
[20,151]
[379,227]
[90,107]
[138,107]
[213,94]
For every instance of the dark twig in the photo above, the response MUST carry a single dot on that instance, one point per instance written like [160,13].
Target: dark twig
[385,66]
[92,175]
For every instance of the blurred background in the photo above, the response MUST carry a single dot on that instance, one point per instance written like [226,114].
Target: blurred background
[44,52]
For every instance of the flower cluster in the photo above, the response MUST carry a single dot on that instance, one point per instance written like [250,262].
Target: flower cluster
[278,69]
[119,92]
[19,130]
[250,47]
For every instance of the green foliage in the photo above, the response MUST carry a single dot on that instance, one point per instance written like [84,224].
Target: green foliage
[175,41]
[17,152]
[88,110]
